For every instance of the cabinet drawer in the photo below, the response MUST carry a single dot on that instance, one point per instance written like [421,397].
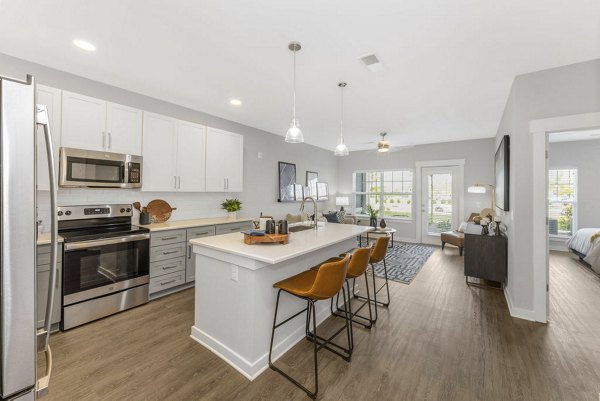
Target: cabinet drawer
[165,252]
[167,281]
[167,237]
[166,266]
[199,232]
[43,254]
[233,227]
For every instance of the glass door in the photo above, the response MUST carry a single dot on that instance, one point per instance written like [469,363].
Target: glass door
[439,202]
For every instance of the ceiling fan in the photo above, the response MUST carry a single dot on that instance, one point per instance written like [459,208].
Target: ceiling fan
[383,145]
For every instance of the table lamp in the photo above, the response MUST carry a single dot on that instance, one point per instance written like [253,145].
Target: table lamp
[342,201]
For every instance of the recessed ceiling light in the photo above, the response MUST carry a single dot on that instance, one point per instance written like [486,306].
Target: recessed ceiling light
[82,44]
[235,102]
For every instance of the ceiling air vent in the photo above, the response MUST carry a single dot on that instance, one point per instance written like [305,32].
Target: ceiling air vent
[372,63]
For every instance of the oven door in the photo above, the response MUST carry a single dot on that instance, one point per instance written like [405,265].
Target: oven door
[100,267]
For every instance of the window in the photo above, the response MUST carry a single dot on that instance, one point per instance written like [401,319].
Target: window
[390,192]
[562,201]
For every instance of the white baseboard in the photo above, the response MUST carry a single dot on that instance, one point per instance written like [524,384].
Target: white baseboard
[251,370]
[559,248]
[406,239]
[526,314]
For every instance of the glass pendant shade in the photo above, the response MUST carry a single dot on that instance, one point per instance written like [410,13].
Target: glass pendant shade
[341,150]
[294,133]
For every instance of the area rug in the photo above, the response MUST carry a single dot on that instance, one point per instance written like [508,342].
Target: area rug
[404,261]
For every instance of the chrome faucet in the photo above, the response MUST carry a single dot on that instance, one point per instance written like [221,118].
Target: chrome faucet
[313,223]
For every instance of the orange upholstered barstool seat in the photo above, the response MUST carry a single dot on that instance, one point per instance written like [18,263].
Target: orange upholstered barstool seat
[378,255]
[313,286]
[359,262]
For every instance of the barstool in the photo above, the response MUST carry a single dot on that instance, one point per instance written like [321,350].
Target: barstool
[312,286]
[378,255]
[359,262]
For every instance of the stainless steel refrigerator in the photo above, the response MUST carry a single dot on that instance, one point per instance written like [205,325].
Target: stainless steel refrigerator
[20,341]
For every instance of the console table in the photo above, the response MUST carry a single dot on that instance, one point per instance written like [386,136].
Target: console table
[486,256]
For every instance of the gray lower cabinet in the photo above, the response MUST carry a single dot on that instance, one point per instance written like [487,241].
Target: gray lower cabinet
[190,261]
[233,227]
[172,262]
[42,277]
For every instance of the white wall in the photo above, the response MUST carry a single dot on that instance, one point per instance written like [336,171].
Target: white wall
[479,168]
[260,175]
[572,89]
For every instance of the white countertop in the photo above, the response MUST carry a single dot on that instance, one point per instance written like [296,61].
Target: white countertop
[44,239]
[209,221]
[300,243]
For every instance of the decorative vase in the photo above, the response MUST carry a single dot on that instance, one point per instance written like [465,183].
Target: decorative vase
[373,222]
[232,215]
[382,223]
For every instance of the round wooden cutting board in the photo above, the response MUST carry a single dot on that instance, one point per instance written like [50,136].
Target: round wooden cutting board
[160,210]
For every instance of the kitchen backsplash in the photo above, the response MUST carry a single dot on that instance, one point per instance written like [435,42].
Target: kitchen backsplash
[189,205]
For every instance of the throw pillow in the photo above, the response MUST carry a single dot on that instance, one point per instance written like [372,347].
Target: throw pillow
[462,227]
[331,217]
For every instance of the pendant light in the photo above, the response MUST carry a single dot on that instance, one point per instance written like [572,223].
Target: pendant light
[341,149]
[294,134]
[383,145]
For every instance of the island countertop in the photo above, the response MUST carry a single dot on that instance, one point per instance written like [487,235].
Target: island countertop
[300,243]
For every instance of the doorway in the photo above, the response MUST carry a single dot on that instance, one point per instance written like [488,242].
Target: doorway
[540,130]
[439,198]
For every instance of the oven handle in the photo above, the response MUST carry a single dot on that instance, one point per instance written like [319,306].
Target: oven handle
[109,241]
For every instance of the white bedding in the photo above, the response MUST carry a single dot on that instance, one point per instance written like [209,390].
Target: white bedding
[582,244]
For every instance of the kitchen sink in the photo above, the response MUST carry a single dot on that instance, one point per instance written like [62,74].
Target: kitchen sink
[295,229]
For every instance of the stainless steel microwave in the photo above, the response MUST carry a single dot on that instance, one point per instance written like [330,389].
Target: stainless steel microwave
[90,168]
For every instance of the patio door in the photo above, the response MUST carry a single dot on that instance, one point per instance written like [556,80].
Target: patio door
[440,200]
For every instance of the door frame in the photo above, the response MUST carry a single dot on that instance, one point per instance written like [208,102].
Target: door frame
[460,163]
[539,129]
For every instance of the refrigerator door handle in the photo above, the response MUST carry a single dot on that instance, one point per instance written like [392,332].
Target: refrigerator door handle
[44,334]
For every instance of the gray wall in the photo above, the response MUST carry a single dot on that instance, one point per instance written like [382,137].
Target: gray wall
[585,156]
[572,89]
[260,175]
[479,167]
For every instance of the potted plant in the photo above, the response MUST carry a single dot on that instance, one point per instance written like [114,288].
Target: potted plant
[372,216]
[231,206]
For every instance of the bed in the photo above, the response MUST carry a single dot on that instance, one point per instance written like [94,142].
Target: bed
[585,243]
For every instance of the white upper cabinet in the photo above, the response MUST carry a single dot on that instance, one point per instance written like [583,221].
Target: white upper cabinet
[94,124]
[191,157]
[123,129]
[159,153]
[224,161]
[51,98]
[83,122]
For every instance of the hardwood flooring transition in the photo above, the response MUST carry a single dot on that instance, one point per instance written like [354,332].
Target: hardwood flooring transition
[439,340]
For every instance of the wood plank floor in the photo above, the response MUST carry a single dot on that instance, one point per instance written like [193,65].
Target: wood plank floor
[439,340]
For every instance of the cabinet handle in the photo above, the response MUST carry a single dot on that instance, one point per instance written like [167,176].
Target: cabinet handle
[168,282]
[103,140]
[109,140]
[169,267]
[169,252]
[202,233]
[178,182]
[175,182]
[227,179]
[168,238]
[224,183]
[189,252]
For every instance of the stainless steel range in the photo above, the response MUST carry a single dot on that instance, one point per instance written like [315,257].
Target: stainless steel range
[106,262]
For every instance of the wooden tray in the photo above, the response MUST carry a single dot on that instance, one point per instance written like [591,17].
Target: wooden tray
[266,239]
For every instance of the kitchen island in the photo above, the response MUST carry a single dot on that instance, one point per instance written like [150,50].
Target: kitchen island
[235,298]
